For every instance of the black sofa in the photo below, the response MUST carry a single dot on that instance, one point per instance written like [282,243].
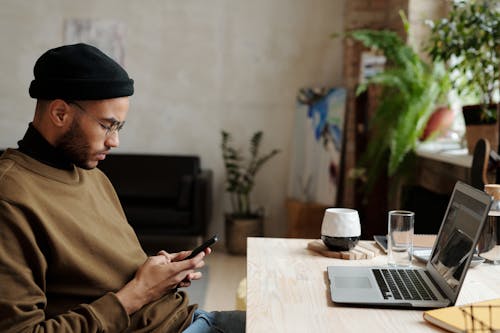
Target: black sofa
[162,195]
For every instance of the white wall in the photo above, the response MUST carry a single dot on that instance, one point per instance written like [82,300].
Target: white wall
[199,66]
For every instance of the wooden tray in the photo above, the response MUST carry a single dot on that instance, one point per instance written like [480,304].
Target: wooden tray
[362,250]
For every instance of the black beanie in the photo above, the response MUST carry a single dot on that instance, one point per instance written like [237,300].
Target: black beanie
[79,72]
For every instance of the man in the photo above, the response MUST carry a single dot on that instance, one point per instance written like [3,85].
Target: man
[69,261]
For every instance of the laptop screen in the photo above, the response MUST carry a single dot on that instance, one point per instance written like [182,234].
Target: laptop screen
[456,239]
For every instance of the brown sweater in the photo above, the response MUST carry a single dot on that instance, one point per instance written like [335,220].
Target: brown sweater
[65,248]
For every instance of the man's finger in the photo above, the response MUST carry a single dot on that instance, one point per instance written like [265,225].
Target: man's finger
[186,265]
[167,255]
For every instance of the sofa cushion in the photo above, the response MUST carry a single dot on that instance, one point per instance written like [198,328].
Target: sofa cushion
[150,176]
[161,194]
[156,218]
[185,197]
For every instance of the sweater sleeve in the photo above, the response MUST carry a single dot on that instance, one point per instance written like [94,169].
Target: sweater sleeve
[22,286]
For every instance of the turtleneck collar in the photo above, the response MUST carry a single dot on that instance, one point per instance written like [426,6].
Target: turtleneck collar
[34,145]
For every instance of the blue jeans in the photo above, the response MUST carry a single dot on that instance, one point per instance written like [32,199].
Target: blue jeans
[217,322]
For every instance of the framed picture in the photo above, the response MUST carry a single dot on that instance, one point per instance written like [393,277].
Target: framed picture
[317,145]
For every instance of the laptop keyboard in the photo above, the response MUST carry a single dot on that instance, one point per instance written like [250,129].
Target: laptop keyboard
[402,284]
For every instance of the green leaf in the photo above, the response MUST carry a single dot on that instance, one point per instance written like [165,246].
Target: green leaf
[410,89]
[468,41]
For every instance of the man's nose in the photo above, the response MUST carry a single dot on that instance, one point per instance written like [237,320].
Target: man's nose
[113,140]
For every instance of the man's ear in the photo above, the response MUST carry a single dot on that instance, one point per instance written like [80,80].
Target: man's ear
[60,113]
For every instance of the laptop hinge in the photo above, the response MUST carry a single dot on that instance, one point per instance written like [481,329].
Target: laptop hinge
[429,276]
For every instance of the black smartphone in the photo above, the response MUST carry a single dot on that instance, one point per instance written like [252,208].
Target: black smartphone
[381,241]
[203,246]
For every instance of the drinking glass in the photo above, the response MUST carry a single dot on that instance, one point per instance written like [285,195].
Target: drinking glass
[400,237]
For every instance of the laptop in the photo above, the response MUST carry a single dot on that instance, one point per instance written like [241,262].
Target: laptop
[439,283]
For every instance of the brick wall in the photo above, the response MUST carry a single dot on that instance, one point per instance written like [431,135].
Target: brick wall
[371,14]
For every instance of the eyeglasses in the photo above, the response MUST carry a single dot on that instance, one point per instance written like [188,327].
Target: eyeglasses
[115,126]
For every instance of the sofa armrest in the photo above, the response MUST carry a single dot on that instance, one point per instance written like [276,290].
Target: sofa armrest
[202,200]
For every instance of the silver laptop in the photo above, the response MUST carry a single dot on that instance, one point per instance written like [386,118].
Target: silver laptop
[439,283]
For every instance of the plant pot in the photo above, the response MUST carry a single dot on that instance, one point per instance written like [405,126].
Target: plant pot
[477,128]
[239,228]
[304,218]
[439,122]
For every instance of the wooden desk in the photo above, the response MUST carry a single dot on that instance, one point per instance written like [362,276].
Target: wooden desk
[288,291]
[438,171]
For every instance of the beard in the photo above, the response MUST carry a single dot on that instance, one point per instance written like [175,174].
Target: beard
[75,147]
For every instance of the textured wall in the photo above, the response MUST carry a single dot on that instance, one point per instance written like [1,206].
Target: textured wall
[199,67]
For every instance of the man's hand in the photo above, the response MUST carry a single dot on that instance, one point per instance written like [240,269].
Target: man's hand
[157,276]
[186,282]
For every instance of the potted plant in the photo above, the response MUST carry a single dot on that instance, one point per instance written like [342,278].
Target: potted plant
[468,41]
[409,89]
[243,221]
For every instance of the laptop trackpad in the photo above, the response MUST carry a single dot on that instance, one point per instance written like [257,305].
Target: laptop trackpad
[351,282]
